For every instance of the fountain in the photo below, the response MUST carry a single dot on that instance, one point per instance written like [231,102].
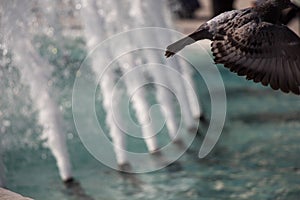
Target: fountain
[110,22]
[100,19]
[35,72]
[185,94]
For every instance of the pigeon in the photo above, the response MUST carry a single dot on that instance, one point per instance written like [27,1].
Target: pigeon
[253,43]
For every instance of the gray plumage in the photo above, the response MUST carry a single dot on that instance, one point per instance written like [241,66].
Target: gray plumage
[252,43]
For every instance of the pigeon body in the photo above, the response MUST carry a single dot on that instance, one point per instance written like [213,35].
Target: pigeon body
[252,43]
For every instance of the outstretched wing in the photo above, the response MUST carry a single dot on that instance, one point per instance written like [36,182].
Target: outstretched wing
[262,52]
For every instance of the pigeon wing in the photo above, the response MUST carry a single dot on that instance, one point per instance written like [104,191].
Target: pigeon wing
[262,52]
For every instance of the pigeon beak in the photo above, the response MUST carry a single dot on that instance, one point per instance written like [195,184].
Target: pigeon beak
[295,3]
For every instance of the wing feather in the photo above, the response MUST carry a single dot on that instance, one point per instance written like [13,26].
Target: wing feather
[262,52]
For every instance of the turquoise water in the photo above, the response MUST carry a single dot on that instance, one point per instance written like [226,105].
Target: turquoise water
[257,156]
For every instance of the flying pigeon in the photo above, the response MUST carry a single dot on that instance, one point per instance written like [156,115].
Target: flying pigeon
[252,43]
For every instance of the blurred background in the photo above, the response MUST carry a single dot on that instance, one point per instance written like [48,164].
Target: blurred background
[43,46]
[207,9]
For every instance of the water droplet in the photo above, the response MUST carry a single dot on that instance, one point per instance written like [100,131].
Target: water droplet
[54,50]
[70,136]
[219,185]
[4,53]
[6,123]
[78,6]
